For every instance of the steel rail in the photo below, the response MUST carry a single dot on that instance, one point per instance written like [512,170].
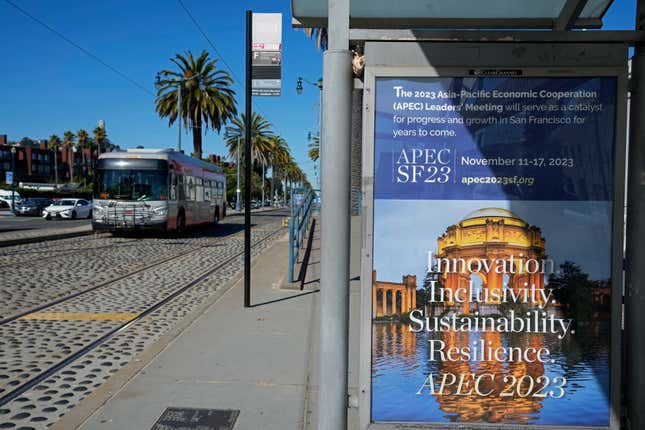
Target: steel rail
[21,389]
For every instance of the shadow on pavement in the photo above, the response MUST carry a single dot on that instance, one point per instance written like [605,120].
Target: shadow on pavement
[282,299]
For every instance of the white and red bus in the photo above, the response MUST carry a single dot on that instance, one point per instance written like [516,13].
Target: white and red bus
[161,189]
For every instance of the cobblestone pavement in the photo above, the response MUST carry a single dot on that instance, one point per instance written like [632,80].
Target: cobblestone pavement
[37,342]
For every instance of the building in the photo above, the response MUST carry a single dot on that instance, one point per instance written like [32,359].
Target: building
[34,161]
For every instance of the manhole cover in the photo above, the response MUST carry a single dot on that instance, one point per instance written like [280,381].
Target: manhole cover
[191,418]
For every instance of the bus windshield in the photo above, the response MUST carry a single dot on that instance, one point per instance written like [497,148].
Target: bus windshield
[138,185]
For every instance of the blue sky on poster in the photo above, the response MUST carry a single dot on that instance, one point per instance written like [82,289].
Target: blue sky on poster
[48,87]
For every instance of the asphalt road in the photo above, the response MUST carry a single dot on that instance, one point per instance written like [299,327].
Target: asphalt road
[11,223]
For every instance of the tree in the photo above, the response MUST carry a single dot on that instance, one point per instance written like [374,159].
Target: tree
[279,157]
[319,35]
[261,136]
[314,148]
[26,141]
[207,99]
[83,142]
[54,144]
[573,290]
[293,174]
[68,141]
[100,138]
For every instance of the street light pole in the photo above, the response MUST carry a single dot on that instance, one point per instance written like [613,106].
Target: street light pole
[299,90]
[262,183]
[179,82]
[237,190]
[72,164]
[13,179]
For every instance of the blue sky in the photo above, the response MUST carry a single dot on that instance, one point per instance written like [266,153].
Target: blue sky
[47,86]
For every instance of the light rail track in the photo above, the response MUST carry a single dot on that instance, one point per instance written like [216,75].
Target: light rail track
[36,379]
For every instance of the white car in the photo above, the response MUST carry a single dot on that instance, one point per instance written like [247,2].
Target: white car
[69,209]
[5,196]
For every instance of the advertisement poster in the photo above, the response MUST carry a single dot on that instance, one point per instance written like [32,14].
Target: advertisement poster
[492,250]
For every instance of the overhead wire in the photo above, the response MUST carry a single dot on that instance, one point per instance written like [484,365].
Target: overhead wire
[80,48]
[221,57]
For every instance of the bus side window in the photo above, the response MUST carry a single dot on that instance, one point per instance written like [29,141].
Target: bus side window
[190,194]
[173,186]
[180,187]
[207,190]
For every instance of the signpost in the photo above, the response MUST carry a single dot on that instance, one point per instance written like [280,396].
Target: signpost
[8,178]
[263,62]
[267,54]
[497,301]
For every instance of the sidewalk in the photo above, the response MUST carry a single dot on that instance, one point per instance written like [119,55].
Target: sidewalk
[354,329]
[261,361]
[254,360]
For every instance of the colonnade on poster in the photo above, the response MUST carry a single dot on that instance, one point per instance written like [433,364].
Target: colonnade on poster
[390,298]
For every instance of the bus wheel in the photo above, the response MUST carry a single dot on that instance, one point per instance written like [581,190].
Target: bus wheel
[216,217]
[181,222]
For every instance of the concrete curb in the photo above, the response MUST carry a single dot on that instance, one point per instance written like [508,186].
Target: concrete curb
[46,237]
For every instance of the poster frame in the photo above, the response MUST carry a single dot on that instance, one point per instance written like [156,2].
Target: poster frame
[380,70]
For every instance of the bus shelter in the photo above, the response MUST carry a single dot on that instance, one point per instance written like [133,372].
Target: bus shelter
[496,134]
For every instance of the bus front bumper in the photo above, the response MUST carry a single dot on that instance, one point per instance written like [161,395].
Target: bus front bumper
[129,226]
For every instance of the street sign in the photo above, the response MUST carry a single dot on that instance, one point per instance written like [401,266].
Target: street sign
[8,178]
[267,54]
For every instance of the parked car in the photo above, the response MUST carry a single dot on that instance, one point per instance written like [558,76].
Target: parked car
[5,196]
[68,209]
[33,206]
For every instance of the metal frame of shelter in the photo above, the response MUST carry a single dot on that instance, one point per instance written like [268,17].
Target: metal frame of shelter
[336,135]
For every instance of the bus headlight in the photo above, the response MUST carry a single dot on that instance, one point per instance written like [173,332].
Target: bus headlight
[162,211]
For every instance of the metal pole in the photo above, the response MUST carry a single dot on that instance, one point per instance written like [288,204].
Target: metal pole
[635,247]
[320,144]
[179,115]
[263,184]
[247,165]
[237,190]
[335,221]
[13,180]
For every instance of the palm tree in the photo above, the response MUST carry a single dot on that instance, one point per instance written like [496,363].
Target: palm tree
[314,148]
[207,99]
[54,144]
[261,136]
[100,138]
[319,35]
[278,156]
[68,141]
[83,142]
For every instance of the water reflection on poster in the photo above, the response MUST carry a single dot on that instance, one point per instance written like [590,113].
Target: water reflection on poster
[492,250]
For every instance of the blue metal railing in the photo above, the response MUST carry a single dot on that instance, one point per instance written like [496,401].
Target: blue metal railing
[357,202]
[301,210]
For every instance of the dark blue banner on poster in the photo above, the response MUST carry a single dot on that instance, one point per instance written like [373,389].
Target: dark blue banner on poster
[494,138]
[491,283]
